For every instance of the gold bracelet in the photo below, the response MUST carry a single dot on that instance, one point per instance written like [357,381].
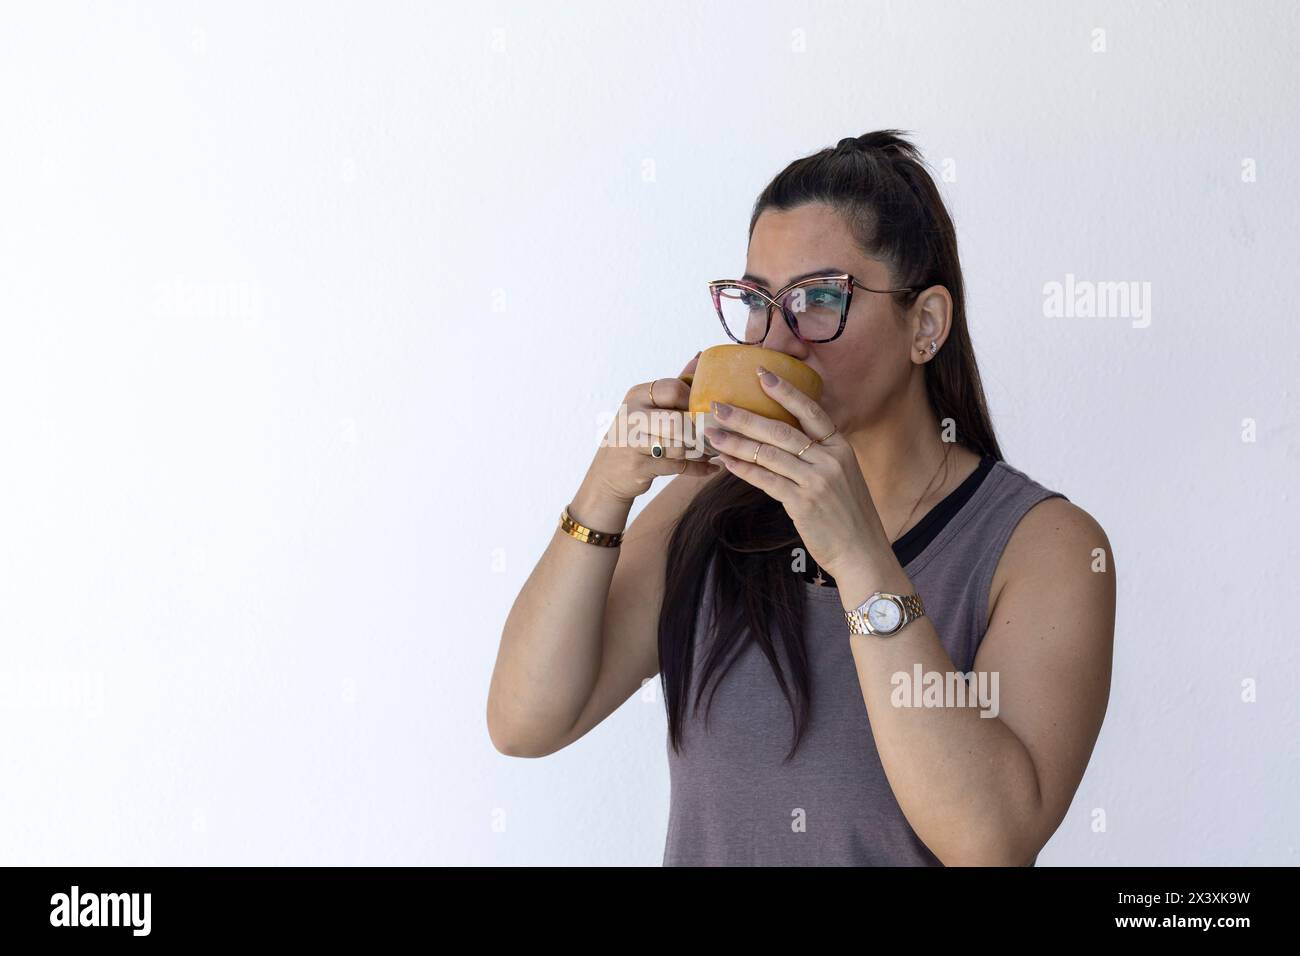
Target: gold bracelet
[604,539]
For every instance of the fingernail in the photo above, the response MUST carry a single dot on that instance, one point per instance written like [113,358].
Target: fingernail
[766,377]
[714,435]
[721,409]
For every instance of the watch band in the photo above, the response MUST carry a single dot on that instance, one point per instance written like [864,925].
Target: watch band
[910,603]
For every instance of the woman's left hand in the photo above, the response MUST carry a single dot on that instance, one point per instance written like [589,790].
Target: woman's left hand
[823,492]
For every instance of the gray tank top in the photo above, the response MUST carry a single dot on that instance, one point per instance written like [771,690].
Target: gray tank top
[735,803]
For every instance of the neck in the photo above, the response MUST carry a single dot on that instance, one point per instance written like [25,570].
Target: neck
[902,458]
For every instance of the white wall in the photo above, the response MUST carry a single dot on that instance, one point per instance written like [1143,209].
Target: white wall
[293,299]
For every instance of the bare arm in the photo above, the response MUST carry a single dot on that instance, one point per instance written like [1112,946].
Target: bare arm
[991,790]
[626,651]
[583,632]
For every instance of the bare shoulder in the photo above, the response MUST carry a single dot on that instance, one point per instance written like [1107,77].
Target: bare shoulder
[1058,541]
[1054,524]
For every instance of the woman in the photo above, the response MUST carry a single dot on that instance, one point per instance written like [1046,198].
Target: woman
[812,596]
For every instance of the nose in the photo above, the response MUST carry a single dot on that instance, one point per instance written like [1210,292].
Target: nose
[781,338]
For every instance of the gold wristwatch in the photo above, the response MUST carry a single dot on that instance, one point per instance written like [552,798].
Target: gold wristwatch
[884,614]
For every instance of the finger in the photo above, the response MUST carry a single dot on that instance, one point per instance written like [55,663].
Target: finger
[671,452]
[690,366]
[668,393]
[775,459]
[781,489]
[812,417]
[698,468]
[668,426]
[668,429]
[770,431]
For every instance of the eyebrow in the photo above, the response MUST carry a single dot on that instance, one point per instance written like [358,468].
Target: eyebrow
[750,277]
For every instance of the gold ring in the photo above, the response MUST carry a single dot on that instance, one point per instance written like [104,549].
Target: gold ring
[828,434]
[685,462]
[804,448]
[652,395]
[756,451]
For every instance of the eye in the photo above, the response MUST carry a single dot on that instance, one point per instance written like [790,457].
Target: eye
[825,296]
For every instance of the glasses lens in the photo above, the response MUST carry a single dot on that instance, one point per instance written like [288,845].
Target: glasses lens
[743,311]
[817,307]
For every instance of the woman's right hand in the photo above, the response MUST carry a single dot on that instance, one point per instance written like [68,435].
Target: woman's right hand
[623,467]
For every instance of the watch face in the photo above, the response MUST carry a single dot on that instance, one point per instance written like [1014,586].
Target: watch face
[884,614]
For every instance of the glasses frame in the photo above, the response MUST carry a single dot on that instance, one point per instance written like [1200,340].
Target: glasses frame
[773,301]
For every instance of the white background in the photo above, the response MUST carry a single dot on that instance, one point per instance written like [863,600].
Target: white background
[308,327]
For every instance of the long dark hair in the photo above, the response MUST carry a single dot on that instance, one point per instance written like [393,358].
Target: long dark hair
[738,533]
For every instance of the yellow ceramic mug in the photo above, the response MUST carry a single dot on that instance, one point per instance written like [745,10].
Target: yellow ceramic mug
[727,373]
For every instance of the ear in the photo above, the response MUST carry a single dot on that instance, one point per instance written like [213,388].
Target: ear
[931,321]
